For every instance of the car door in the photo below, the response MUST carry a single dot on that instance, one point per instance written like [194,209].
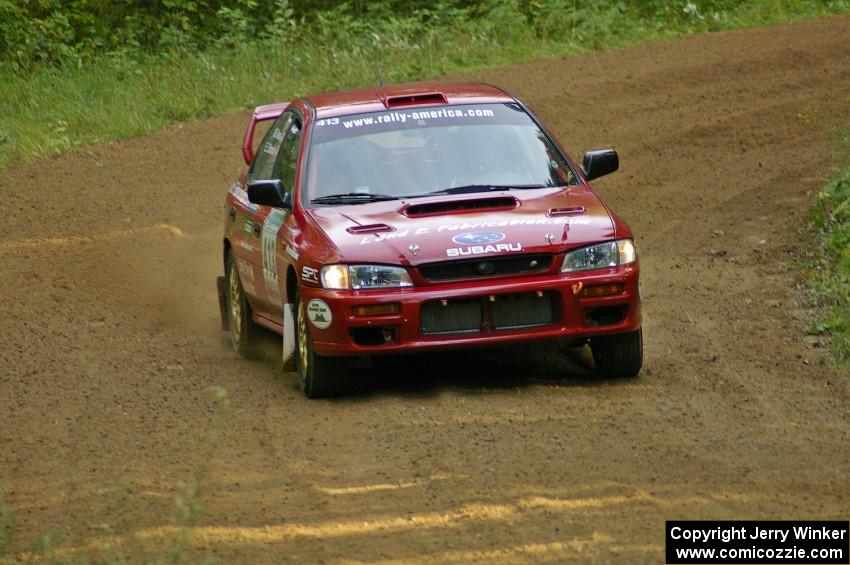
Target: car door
[248,218]
[278,227]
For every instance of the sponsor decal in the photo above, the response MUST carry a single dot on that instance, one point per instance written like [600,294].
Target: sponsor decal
[268,242]
[577,287]
[478,237]
[246,273]
[249,288]
[440,228]
[248,226]
[310,274]
[247,246]
[402,117]
[319,314]
[291,252]
[483,249]
[241,196]
[383,236]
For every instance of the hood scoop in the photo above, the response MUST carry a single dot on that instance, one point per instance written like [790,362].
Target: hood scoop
[460,206]
[370,228]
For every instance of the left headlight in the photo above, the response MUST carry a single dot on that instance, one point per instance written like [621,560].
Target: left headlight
[600,256]
[361,277]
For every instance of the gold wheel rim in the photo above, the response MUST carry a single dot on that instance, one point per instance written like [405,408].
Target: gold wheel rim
[302,338]
[235,306]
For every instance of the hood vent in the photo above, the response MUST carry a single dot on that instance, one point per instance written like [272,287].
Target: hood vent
[370,228]
[571,211]
[461,206]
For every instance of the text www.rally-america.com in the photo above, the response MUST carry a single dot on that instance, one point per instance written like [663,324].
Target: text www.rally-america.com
[403,117]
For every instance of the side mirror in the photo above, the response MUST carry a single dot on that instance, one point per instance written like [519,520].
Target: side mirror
[269,193]
[600,163]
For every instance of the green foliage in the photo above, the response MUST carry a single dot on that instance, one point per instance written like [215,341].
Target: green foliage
[77,72]
[7,529]
[68,32]
[830,275]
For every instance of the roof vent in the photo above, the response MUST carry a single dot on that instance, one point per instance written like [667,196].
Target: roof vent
[414,99]
[461,206]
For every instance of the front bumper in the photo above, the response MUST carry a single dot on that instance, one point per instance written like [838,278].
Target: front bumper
[574,317]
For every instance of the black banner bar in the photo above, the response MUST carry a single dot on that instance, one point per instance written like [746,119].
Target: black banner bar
[747,542]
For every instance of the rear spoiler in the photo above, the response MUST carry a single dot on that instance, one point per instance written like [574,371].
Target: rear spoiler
[261,114]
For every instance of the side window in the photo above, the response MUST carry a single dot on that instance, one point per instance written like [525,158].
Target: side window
[263,164]
[288,160]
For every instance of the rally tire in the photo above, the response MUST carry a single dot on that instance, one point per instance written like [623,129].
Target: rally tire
[320,377]
[619,355]
[243,330]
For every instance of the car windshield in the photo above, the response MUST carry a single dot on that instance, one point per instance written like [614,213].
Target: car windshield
[412,152]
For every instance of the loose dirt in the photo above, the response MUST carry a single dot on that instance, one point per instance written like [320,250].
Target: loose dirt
[111,346]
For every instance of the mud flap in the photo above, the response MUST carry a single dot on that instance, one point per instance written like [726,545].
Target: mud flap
[288,338]
[221,284]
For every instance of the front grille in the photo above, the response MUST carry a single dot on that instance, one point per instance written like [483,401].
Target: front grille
[491,267]
[456,316]
[474,315]
[526,310]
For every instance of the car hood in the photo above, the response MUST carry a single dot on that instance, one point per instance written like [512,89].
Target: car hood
[425,230]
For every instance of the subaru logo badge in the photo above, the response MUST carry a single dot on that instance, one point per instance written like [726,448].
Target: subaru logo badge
[478,237]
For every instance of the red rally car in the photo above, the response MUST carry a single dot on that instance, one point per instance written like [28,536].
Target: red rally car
[420,217]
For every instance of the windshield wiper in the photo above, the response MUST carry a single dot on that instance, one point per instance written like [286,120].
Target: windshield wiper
[468,188]
[352,198]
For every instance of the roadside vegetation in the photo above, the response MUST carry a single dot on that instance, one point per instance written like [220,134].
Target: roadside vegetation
[76,72]
[829,273]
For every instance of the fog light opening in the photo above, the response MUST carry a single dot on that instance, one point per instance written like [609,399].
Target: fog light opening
[605,316]
[370,337]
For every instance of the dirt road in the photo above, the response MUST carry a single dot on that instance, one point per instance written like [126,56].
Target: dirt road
[111,346]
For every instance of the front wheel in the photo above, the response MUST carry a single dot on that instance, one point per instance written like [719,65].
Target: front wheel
[319,376]
[619,355]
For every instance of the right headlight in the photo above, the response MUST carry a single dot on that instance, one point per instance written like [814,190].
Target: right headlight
[600,256]
[361,277]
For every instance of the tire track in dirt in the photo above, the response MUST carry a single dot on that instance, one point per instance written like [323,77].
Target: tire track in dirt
[110,344]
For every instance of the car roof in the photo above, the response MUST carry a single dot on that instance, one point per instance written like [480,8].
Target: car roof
[381,98]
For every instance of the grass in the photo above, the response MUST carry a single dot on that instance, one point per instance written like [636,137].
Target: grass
[53,109]
[829,274]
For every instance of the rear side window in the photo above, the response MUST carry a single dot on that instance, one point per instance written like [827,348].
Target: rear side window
[263,165]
